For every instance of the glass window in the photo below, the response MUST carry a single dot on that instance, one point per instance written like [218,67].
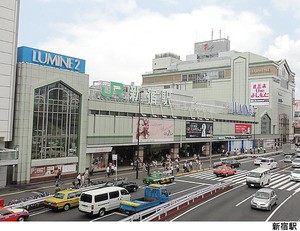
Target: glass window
[124,192]
[114,194]
[55,122]
[101,197]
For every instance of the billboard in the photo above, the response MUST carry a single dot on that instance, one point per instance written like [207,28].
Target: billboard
[152,130]
[297,106]
[199,129]
[51,170]
[243,129]
[260,93]
[297,122]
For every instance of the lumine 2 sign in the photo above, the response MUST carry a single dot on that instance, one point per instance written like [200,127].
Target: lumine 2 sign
[44,58]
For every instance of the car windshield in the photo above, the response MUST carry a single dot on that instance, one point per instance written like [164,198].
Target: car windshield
[297,171]
[265,160]
[254,174]
[59,195]
[262,195]
[4,212]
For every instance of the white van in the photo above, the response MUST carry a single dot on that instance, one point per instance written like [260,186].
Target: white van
[258,177]
[98,201]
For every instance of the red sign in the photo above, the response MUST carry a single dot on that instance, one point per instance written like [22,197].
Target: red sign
[243,129]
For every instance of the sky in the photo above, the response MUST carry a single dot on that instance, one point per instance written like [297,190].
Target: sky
[119,38]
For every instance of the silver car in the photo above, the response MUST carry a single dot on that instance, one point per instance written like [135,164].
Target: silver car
[264,199]
[288,159]
[295,175]
[296,163]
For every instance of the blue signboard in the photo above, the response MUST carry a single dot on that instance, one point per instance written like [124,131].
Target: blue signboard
[45,58]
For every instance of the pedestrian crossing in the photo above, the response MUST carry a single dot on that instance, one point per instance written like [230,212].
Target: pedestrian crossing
[278,180]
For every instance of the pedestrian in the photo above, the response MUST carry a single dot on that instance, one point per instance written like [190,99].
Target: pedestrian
[107,171]
[177,167]
[200,164]
[191,165]
[148,169]
[58,177]
[82,179]
[79,179]
[172,169]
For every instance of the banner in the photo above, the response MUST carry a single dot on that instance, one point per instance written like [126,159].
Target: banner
[260,93]
[243,129]
[199,129]
[51,170]
[153,130]
[297,105]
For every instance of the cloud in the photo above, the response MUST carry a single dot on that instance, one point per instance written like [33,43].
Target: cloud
[122,49]
[288,5]
[286,48]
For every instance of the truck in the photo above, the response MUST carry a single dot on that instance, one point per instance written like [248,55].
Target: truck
[154,195]
[288,149]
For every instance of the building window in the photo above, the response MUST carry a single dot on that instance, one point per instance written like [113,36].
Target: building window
[265,124]
[55,122]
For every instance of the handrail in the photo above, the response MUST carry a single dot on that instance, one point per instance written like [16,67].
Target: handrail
[167,206]
[24,204]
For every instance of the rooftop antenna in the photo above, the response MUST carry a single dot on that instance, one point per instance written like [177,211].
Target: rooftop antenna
[212,34]
[220,34]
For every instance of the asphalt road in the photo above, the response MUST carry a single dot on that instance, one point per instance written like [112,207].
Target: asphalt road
[232,205]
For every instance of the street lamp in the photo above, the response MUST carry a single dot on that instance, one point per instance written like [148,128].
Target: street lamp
[138,137]
[254,114]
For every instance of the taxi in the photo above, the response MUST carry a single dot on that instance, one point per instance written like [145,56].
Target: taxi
[224,170]
[158,178]
[13,214]
[63,200]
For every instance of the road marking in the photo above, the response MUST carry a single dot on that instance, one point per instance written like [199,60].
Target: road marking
[281,205]
[192,182]
[205,202]
[38,213]
[244,200]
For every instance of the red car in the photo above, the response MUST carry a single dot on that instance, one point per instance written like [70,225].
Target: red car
[13,214]
[224,170]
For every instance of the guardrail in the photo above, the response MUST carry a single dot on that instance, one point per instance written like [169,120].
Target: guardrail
[165,208]
[39,201]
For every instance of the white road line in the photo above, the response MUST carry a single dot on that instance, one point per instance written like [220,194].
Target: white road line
[192,182]
[276,181]
[40,212]
[287,185]
[204,203]
[294,186]
[244,200]
[281,183]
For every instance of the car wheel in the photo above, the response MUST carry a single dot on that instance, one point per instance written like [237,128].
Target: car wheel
[21,218]
[134,189]
[101,212]
[270,207]
[171,180]
[226,175]
[66,207]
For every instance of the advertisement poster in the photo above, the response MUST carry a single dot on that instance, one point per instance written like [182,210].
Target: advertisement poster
[243,129]
[199,129]
[51,170]
[260,93]
[153,130]
[297,105]
[297,122]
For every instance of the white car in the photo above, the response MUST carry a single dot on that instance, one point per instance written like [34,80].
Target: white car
[295,175]
[288,159]
[268,163]
[296,163]
[257,161]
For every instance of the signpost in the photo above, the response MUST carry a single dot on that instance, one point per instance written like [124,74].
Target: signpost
[115,157]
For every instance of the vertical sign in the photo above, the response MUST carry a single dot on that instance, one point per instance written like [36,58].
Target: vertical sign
[260,93]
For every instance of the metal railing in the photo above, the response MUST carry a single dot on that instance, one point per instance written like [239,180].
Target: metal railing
[163,209]
[39,201]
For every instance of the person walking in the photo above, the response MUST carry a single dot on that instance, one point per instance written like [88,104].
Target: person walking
[58,177]
[107,171]
[79,179]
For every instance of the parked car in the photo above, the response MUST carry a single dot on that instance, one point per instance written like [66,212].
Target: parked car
[295,175]
[232,162]
[64,199]
[257,161]
[13,214]
[268,163]
[296,163]
[288,159]
[124,183]
[158,178]
[297,155]
[264,199]
[224,170]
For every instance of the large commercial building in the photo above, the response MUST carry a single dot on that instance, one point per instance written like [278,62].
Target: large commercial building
[214,74]
[9,11]
[51,119]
